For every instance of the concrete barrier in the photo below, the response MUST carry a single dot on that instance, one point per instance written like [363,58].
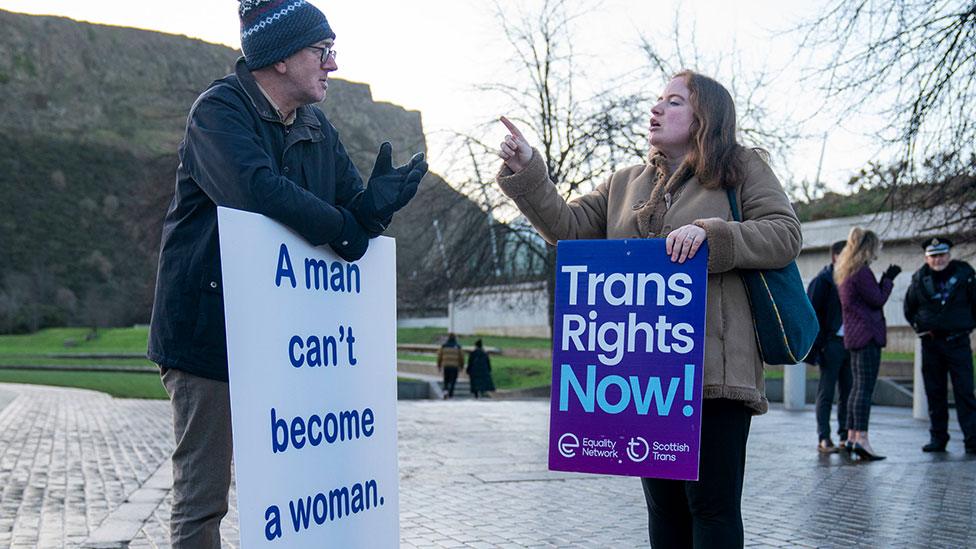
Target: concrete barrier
[887,392]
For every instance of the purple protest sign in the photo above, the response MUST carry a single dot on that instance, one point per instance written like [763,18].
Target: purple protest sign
[628,344]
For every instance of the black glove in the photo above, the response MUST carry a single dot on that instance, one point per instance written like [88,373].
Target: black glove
[353,240]
[891,272]
[389,188]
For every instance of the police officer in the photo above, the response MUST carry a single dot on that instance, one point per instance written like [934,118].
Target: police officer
[941,307]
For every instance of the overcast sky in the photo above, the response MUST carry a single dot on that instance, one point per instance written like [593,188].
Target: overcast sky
[428,55]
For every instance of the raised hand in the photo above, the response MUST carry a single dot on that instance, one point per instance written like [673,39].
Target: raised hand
[891,272]
[514,150]
[389,188]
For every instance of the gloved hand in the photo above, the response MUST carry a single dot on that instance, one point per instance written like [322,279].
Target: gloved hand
[352,242]
[891,272]
[389,188]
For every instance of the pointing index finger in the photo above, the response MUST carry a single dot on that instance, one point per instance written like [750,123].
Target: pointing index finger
[511,127]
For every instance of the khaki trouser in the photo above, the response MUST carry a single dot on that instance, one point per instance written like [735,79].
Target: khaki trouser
[201,460]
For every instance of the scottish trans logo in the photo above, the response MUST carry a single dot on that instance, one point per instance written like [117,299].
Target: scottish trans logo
[638,449]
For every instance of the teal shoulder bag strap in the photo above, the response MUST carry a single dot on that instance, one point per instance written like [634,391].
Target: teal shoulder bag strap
[785,322]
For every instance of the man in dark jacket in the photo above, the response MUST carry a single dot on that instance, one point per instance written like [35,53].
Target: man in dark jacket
[450,360]
[254,142]
[829,353]
[941,307]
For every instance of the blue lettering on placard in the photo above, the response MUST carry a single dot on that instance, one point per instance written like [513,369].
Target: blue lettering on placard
[310,350]
[628,288]
[272,523]
[567,378]
[301,510]
[332,426]
[285,269]
[614,339]
[336,276]
[337,503]
[595,394]
[653,392]
[601,394]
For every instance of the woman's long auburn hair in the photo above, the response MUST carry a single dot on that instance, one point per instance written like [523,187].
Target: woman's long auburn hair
[715,156]
[861,249]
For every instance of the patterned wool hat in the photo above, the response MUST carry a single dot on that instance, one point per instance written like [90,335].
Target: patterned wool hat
[271,30]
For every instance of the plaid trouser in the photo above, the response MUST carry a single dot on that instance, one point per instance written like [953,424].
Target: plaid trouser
[865,364]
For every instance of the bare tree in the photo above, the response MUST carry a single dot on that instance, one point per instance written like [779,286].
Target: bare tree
[750,85]
[914,63]
[583,137]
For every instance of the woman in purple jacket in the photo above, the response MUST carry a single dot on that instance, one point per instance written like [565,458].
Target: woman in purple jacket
[862,300]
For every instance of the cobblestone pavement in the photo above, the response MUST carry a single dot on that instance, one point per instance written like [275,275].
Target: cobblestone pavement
[77,467]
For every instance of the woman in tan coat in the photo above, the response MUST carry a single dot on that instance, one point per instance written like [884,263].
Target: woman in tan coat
[680,194]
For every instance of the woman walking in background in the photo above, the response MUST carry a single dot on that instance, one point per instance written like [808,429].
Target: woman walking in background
[862,300]
[479,371]
[683,193]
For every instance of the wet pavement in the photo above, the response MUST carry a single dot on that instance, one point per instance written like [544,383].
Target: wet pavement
[81,469]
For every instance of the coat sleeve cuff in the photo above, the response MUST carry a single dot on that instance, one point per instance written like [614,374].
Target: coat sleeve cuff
[515,185]
[352,241]
[721,245]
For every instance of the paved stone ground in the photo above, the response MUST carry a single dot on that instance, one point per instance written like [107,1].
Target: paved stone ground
[78,467]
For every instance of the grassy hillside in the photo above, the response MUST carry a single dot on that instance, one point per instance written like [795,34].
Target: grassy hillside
[89,126]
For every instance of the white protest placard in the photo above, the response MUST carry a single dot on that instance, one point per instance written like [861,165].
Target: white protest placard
[311,347]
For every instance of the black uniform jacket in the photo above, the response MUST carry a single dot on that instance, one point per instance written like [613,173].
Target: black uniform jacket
[951,314]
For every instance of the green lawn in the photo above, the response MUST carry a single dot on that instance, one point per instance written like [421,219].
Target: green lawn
[520,373]
[437,335]
[31,350]
[117,384]
[897,357]
[33,360]
[52,340]
[413,356]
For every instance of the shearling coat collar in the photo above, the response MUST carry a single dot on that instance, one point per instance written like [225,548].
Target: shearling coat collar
[650,218]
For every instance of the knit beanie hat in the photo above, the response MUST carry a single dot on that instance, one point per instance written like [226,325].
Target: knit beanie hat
[272,30]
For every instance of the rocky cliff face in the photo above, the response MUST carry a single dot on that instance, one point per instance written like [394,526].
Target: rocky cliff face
[91,119]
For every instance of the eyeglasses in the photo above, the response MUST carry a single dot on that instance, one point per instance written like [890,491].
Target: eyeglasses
[324,53]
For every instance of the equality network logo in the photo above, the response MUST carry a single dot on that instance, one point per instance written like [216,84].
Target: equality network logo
[637,448]
[568,443]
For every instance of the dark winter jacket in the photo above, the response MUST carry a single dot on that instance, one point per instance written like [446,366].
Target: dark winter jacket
[237,153]
[862,300]
[450,355]
[952,313]
[826,302]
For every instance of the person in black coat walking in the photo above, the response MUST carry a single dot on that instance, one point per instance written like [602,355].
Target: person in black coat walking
[941,307]
[479,371]
[829,354]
